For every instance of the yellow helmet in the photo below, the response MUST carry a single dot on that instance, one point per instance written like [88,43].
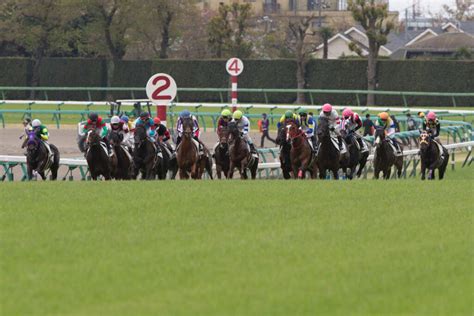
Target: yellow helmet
[226,112]
[237,115]
[383,116]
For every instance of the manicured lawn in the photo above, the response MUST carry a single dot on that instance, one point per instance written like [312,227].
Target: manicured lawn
[234,247]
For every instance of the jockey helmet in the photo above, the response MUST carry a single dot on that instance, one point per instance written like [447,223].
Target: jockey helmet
[327,108]
[237,115]
[347,113]
[226,113]
[264,115]
[288,114]
[303,112]
[383,116]
[144,115]
[36,123]
[421,115]
[93,117]
[431,116]
[115,120]
[124,118]
[156,121]
[185,114]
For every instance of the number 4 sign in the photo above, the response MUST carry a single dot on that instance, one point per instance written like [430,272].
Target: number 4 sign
[234,66]
[161,89]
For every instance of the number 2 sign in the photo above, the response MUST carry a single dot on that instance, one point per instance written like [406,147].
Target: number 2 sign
[161,89]
[234,66]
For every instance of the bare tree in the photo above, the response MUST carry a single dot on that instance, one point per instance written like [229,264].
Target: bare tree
[300,31]
[372,15]
[463,10]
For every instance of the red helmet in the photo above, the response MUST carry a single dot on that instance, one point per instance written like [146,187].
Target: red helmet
[156,121]
[347,113]
[327,108]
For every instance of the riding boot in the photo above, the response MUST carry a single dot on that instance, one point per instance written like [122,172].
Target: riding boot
[397,146]
[341,146]
[253,150]
[315,144]
[158,150]
[363,146]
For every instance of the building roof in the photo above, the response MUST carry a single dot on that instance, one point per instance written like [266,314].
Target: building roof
[446,42]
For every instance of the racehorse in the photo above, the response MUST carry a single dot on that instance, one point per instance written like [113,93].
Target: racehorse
[328,153]
[97,156]
[121,161]
[301,153]
[37,158]
[221,153]
[169,163]
[385,157]
[240,155]
[285,147]
[190,162]
[145,156]
[431,157]
[356,157]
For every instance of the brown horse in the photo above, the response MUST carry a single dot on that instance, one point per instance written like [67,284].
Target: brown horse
[37,157]
[145,156]
[240,155]
[385,157]
[121,161]
[431,157]
[301,154]
[221,153]
[329,156]
[356,156]
[190,162]
[285,147]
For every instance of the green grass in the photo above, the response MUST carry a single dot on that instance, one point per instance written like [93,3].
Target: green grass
[233,247]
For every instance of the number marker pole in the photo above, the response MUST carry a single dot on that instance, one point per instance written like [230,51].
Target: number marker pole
[161,113]
[233,79]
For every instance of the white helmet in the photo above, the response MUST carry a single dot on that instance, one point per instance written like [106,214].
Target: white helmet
[115,120]
[36,123]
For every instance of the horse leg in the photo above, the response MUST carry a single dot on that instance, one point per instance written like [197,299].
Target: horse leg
[231,170]
[253,170]
[335,173]
[183,174]
[218,171]
[387,172]
[243,170]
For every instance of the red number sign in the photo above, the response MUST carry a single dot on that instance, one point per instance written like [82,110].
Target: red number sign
[234,66]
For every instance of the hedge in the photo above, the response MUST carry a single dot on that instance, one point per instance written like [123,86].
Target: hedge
[411,75]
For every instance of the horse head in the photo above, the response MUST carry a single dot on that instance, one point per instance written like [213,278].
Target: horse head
[115,139]
[32,142]
[379,136]
[93,138]
[139,135]
[292,131]
[188,127]
[233,131]
[425,140]
[223,137]
[323,127]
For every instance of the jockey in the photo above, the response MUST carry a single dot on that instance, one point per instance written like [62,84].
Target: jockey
[145,120]
[386,122]
[224,120]
[97,124]
[432,125]
[334,123]
[163,135]
[308,125]
[287,117]
[125,121]
[118,126]
[41,132]
[351,124]
[243,124]
[179,126]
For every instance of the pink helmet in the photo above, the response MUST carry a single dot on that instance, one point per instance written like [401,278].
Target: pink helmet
[431,116]
[327,107]
[347,113]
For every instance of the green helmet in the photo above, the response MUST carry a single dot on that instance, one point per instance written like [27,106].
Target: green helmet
[288,114]
[226,112]
[302,111]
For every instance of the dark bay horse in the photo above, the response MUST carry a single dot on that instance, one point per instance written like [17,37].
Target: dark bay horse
[285,147]
[240,155]
[328,153]
[431,157]
[356,157]
[97,156]
[301,154]
[169,162]
[221,153]
[190,163]
[37,158]
[145,156]
[121,160]
[384,156]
